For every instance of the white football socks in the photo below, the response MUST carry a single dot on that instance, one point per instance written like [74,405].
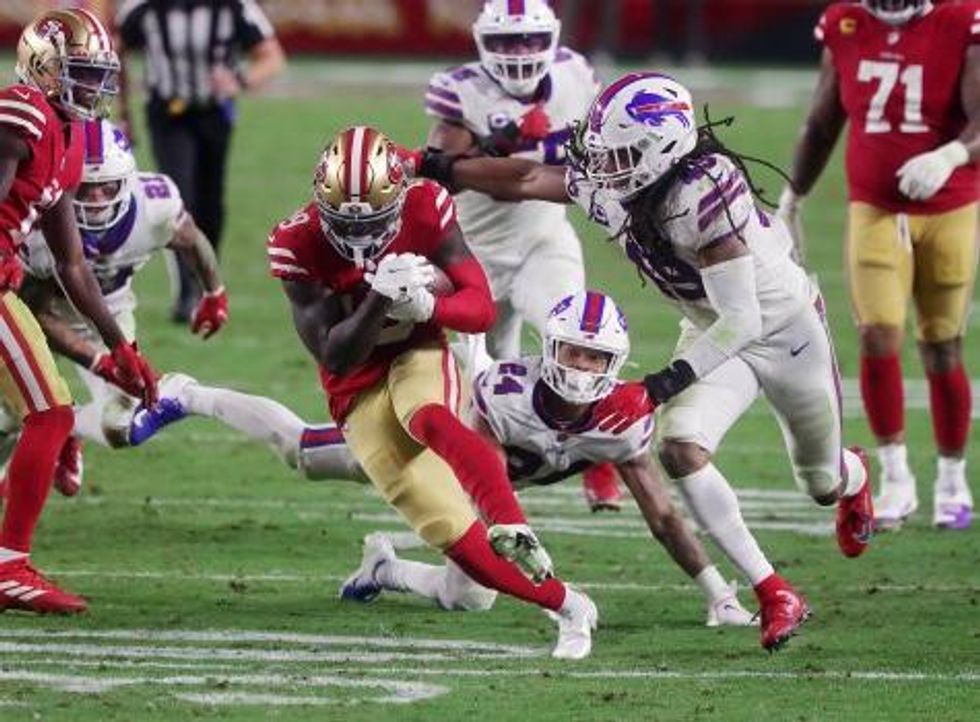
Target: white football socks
[856,473]
[713,585]
[951,475]
[715,508]
[894,462]
[447,585]
[257,417]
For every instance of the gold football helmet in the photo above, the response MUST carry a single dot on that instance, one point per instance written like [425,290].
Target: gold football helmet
[359,187]
[68,56]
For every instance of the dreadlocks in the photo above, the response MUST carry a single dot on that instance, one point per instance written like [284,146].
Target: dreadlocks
[648,212]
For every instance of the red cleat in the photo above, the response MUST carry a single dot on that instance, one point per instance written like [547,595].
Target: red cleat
[70,468]
[856,516]
[781,609]
[23,587]
[600,483]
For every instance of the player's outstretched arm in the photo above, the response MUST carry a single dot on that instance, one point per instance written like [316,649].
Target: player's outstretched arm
[662,517]
[338,344]
[194,248]
[58,225]
[505,179]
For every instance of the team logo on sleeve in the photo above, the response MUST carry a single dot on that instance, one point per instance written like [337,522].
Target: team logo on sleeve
[498,120]
[653,110]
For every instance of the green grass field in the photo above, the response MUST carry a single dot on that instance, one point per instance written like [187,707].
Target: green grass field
[212,569]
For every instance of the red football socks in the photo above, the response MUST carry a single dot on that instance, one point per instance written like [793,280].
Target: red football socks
[475,557]
[475,464]
[949,400]
[31,472]
[883,394]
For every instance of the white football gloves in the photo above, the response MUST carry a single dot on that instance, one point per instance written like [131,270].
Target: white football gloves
[404,278]
[789,212]
[921,177]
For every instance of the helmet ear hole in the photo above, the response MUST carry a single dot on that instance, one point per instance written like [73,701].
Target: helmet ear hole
[669,147]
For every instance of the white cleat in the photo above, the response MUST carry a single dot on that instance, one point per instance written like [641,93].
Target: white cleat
[517,543]
[729,612]
[952,508]
[897,501]
[363,585]
[577,620]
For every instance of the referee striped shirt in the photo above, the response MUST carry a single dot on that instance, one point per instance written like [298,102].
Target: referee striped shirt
[184,39]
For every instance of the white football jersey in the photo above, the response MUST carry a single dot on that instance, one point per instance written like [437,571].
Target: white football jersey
[468,96]
[705,205]
[116,254]
[539,451]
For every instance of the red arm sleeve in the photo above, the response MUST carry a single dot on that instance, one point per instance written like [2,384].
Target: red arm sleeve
[470,309]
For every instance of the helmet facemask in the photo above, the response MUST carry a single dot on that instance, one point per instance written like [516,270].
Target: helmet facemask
[99,205]
[88,87]
[518,61]
[896,12]
[358,233]
[577,385]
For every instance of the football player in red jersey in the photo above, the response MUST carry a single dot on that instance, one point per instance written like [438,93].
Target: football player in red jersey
[67,71]
[356,264]
[905,75]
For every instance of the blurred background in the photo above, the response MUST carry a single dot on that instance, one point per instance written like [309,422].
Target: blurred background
[689,31]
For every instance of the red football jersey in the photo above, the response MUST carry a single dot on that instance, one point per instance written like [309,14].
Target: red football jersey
[299,250]
[900,86]
[54,165]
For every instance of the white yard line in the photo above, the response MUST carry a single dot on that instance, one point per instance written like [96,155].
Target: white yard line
[306,579]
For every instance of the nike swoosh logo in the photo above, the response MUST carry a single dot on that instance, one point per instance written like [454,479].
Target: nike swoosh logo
[21,94]
[794,352]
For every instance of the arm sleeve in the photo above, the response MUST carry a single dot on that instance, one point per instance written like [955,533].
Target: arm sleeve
[252,26]
[731,289]
[470,309]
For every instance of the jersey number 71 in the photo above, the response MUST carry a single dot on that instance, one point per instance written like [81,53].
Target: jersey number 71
[887,75]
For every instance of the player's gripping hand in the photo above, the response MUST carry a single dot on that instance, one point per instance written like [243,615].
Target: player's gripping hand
[11,272]
[399,275]
[134,374]
[627,404]
[105,368]
[921,176]
[418,306]
[211,313]
[789,212]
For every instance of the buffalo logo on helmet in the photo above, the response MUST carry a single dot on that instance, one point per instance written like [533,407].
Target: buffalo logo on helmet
[562,306]
[653,110]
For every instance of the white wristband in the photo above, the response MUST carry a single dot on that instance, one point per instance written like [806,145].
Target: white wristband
[954,153]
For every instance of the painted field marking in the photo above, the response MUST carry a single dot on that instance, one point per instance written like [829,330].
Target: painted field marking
[389,691]
[246,655]
[300,578]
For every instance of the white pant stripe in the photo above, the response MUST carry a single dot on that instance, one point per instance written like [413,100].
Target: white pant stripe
[21,367]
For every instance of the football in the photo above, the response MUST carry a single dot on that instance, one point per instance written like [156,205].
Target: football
[441,285]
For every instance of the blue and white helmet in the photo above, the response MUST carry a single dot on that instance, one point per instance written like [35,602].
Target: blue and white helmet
[503,23]
[108,160]
[636,130]
[591,320]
